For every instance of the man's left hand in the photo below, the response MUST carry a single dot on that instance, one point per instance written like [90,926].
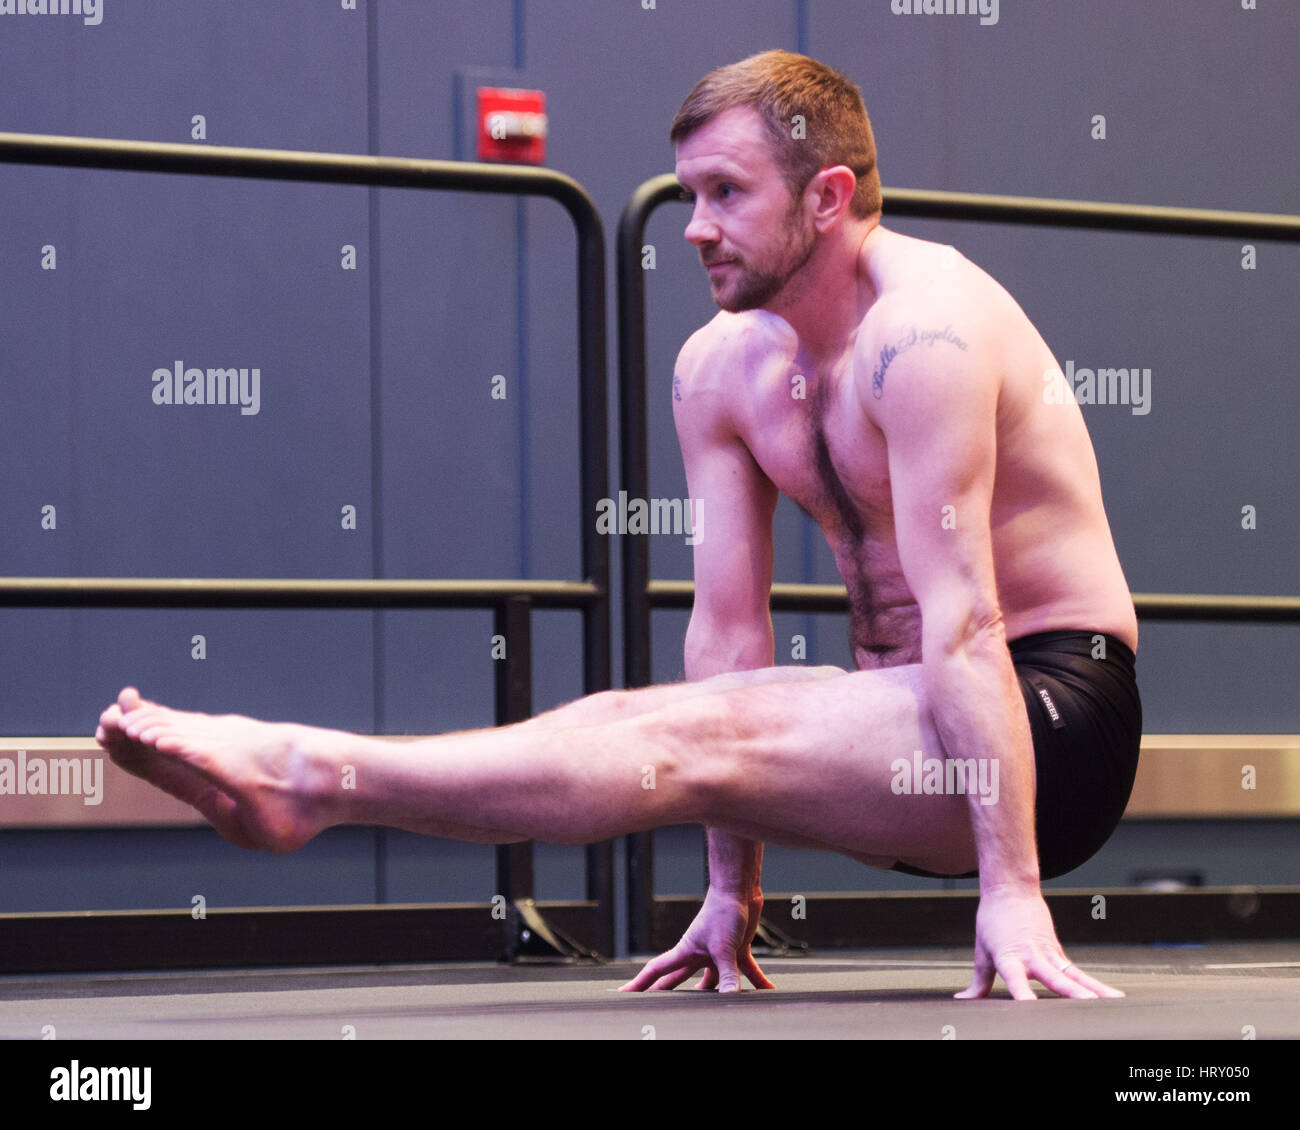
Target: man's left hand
[1014,936]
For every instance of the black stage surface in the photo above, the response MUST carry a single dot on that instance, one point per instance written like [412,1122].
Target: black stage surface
[1229,991]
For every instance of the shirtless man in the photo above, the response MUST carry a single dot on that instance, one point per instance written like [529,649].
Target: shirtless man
[897,394]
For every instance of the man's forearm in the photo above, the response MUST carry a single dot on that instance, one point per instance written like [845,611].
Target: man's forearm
[735,863]
[980,715]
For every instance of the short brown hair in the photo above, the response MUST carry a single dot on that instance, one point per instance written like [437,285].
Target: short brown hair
[779,85]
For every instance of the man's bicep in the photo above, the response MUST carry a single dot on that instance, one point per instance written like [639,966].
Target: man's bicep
[733,548]
[942,521]
[940,432]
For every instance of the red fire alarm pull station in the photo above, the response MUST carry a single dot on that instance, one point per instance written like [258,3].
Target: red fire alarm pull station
[511,125]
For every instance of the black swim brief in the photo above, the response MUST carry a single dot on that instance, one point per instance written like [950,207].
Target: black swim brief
[1086,718]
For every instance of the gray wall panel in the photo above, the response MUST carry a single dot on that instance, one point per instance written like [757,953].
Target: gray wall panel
[450,474]
[210,272]
[1199,101]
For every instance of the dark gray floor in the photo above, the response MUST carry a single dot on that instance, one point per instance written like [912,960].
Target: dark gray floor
[1178,993]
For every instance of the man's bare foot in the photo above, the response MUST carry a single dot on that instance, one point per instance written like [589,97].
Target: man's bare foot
[260,784]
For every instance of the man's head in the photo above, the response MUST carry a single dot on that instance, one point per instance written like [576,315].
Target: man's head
[760,140]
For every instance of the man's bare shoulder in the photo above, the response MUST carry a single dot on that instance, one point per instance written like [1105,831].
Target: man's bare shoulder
[718,356]
[925,282]
[939,313]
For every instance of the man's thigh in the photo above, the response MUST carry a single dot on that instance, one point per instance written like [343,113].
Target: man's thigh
[832,763]
[766,676]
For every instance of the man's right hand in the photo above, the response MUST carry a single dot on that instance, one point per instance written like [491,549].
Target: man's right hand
[717,942]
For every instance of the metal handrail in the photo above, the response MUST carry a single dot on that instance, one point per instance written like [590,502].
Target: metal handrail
[591,595]
[788,597]
[406,172]
[641,593]
[1095,215]
[202,592]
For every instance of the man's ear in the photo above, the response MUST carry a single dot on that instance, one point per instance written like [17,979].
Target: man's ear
[833,189]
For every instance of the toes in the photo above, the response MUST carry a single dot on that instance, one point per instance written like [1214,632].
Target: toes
[111,733]
[129,699]
[137,722]
[164,739]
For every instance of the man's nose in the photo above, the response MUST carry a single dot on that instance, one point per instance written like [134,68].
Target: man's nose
[701,229]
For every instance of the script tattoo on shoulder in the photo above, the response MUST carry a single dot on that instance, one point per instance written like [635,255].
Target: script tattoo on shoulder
[677,387]
[913,337]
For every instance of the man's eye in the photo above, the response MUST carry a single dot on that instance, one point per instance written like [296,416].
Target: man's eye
[723,190]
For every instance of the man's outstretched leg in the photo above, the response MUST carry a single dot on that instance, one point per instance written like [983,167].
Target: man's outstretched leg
[804,760]
[276,785]
[232,743]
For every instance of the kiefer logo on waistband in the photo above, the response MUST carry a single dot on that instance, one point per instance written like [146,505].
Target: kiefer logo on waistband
[1058,723]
